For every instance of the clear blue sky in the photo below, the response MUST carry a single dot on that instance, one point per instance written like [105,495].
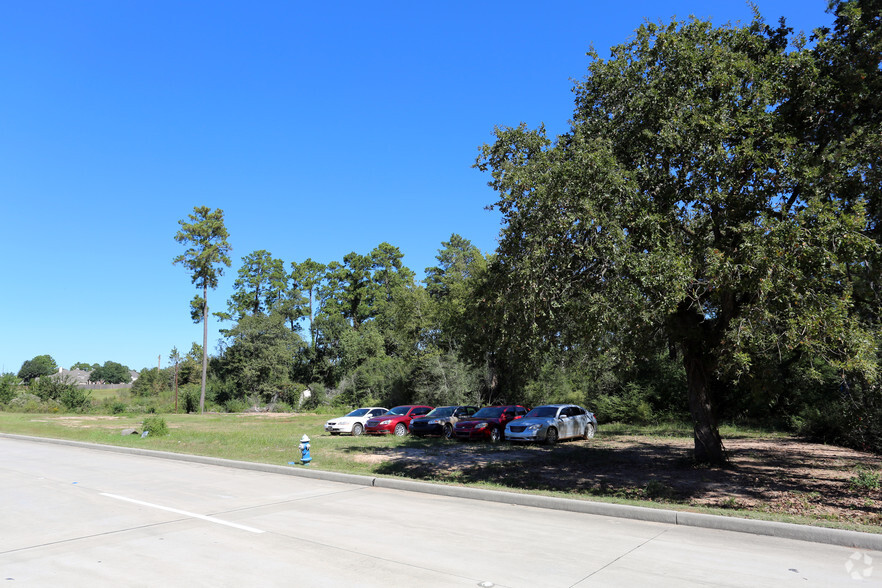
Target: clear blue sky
[319,129]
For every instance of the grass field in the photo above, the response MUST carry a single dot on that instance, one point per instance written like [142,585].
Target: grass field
[624,464]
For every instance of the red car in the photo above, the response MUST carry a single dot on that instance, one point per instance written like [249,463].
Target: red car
[395,421]
[488,423]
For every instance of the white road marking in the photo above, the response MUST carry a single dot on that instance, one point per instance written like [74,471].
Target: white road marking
[185,513]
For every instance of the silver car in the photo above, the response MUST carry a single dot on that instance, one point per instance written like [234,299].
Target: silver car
[552,422]
[353,422]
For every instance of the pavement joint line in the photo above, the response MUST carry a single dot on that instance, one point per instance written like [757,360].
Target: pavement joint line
[185,513]
[840,537]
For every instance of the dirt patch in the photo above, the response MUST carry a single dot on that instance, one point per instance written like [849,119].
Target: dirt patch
[780,475]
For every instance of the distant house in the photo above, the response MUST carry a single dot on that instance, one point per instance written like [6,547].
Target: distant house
[81,379]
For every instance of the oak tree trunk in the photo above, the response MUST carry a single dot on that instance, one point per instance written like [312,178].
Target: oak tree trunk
[708,443]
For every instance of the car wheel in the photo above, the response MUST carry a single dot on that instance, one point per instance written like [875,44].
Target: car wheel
[495,435]
[400,430]
[448,431]
[589,431]
[551,436]
[357,429]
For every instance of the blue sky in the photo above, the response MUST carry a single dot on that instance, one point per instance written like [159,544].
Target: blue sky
[318,128]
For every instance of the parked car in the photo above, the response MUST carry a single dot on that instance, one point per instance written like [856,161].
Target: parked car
[354,421]
[441,420]
[396,421]
[488,423]
[551,423]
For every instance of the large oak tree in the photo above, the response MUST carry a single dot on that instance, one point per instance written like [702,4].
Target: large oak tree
[683,208]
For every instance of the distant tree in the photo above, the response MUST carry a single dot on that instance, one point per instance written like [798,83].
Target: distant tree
[451,285]
[305,279]
[261,284]
[207,253]
[81,366]
[258,356]
[174,358]
[111,373]
[41,365]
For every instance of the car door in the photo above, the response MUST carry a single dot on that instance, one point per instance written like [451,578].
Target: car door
[568,422]
[581,418]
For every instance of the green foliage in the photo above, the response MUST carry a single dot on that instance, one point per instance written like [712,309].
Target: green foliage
[152,382]
[52,387]
[155,426]
[258,356]
[188,398]
[31,403]
[261,285]
[441,379]
[114,405]
[8,387]
[74,398]
[205,257]
[41,365]
[630,406]
[111,373]
[865,479]
[684,207]
[318,397]
[80,365]
[235,405]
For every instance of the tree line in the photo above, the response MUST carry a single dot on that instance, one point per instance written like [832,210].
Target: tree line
[702,243]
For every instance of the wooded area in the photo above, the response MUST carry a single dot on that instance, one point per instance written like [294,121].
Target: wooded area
[703,242]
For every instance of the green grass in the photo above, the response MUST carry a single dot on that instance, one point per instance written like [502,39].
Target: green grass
[274,439]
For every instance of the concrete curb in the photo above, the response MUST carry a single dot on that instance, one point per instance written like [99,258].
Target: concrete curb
[853,539]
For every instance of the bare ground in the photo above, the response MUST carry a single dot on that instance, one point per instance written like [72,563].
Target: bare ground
[778,475]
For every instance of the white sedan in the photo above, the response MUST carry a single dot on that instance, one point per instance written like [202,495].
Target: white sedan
[354,421]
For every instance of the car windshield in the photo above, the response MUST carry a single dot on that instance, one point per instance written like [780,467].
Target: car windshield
[489,412]
[399,410]
[542,412]
[358,412]
[441,411]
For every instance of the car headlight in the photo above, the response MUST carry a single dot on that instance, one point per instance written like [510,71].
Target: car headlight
[481,426]
[386,422]
[535,427]
[435,422]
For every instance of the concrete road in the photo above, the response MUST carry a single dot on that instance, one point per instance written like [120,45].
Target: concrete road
[72,516]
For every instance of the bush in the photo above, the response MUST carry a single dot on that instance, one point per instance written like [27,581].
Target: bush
[155,426]
[8,385]
[630,406]
[52,387]
[189,397]
[113,405]
[282,407]
[31,403]
[74,398]
[234,405]
[865,479]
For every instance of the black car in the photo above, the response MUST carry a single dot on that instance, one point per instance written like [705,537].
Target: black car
[441,420]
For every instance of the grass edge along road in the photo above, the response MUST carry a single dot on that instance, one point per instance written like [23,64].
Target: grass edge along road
[571,470]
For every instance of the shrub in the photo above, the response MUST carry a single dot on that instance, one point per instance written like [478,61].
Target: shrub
[74,398]
[113,405]
[865,479]
[27,403]
[53,387]
[155,426]
[235,405]
[189,398]
[8,385]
